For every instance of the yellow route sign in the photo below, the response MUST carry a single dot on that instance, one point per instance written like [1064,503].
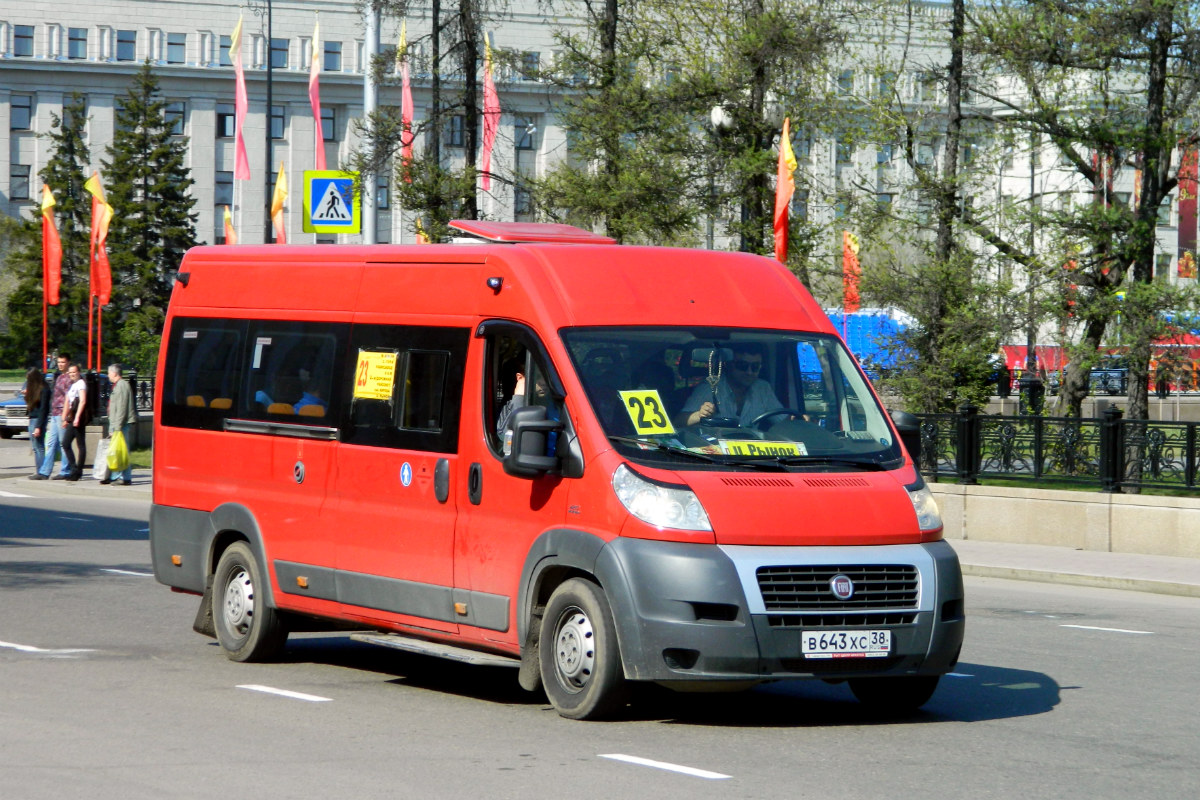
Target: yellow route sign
[375,375]
[646,411]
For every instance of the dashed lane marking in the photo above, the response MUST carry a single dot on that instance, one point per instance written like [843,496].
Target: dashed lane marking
[14,494]
[311,698]
[28,648]
[645,762]
[129,572]
[1109,630]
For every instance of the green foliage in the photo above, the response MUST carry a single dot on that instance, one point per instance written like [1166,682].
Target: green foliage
[148,185]
[64,173]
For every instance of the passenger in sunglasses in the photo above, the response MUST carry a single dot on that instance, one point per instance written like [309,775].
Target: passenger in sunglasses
[740,393]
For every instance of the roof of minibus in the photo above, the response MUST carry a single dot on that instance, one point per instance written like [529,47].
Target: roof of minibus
[562,284]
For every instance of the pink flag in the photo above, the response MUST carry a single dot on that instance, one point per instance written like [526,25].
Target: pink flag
[491,118]
[406,102]
[314,97]
[241,167]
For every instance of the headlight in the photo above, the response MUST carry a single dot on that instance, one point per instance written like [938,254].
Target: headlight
[659,505]
[928,516]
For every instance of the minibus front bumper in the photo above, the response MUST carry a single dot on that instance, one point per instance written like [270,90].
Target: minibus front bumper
[701,613]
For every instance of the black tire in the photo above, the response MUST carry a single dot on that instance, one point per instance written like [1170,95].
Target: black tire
[899,695]
[579,655]
[247,628]
[6,433]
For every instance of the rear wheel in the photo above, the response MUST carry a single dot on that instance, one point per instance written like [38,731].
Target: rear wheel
[6,433]
[579,656]
[897,695]
[247,628]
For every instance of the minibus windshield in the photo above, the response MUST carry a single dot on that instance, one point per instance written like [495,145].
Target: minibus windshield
[704,398]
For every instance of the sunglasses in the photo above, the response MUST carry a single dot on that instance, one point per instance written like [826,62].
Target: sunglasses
[743,365]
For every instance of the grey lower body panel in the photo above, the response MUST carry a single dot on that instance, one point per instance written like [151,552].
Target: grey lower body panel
[696,613]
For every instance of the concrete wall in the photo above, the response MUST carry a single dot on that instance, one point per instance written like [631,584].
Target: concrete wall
[1117,523]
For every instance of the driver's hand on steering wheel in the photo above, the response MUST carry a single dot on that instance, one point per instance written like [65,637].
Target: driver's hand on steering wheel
[705,410]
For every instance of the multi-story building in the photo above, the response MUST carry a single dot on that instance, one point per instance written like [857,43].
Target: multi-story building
[49,52]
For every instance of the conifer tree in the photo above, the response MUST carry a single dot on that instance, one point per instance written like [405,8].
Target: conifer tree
[147,183]
[64,173]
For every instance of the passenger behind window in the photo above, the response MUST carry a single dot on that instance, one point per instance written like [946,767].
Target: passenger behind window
[311,398]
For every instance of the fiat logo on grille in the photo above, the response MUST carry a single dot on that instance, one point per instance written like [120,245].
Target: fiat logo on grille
[842,587]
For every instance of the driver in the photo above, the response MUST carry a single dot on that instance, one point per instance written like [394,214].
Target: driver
[740,394]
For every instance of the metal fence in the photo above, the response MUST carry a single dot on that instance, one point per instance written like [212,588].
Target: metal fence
[143,392]
[1109,453]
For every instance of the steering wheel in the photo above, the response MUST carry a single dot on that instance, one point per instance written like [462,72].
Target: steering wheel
[719,422]
[779,412]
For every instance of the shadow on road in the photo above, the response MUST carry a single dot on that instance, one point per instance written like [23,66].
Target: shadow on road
[975,692]
[29,527]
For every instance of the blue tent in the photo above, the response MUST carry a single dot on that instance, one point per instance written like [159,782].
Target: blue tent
[868,334]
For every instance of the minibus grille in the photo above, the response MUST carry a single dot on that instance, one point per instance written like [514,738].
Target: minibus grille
[807,588]
[812,621]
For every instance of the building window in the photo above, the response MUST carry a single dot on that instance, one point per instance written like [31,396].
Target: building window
[802,144]
[176,48]
[21,115]
[277,122]
[226,121]
[383,197]
[522,203]
[845,82]
[23,41]
[800,205]
[223,194]
[887,85]
[845,150]
[174,114]
[1162,267]
[333,57]
[884,200]
[925,154]
[884,155]
[279,53]
[927,86]
[77,43]
[18,176]
[525,134]
[1164,213]
[224,58]
[530,62]
[119,121]
[126,45]
[456,133]
[327,124]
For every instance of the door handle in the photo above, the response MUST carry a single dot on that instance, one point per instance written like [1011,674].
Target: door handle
[475,483]
[441,480]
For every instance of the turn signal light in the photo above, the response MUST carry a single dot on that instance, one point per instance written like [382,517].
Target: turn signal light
[177,560]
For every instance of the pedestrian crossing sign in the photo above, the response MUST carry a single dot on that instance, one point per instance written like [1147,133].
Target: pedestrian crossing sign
[330,202]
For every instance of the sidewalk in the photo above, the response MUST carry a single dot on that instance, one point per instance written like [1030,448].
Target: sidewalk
[1158,574]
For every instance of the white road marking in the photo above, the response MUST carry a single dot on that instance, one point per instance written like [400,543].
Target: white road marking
[1108,630]
[312,698]
[645,762]
[75,519]
[129,572]
[14,494]
[28,648]
[958,675]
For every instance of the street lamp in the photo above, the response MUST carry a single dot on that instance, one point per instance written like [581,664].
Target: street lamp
[262,8]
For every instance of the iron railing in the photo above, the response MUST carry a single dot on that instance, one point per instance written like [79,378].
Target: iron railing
[1109,453]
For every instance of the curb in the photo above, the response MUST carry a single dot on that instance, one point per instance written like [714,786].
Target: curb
[1082,579]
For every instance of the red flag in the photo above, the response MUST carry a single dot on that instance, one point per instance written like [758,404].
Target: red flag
[102,213]
[314,97]
[785,187]
[277,200]
[491,118]
[406,103]
[51,249]
[241,167]
[850,272]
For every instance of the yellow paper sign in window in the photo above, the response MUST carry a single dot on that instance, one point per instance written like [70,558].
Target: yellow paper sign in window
[757,447]
[375,375]
[647,412]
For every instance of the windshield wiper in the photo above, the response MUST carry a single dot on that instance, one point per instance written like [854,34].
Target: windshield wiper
[711,458]
[828,461]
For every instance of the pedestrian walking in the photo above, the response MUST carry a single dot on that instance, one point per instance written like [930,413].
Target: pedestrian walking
[37,400]
[74,422]
[54,430]
[122,416]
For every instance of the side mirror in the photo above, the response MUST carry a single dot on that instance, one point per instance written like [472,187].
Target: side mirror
[909,428]
[526,442]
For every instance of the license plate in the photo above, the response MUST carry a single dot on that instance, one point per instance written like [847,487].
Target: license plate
[846,644]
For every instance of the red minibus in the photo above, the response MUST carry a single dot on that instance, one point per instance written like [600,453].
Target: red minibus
[599,464]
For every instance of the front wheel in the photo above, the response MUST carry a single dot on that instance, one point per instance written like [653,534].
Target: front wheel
[895,695]
[579,656]
[247,628]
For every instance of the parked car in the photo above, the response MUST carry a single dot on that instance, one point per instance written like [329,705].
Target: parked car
[14,415]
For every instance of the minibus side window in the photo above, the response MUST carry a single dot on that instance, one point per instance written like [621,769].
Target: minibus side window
[511,366]
[406,386]
[203,372]
[290,373]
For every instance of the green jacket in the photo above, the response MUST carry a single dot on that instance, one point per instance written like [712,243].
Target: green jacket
[121,410]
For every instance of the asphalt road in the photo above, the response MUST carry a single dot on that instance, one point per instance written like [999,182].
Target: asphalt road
[105,692]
